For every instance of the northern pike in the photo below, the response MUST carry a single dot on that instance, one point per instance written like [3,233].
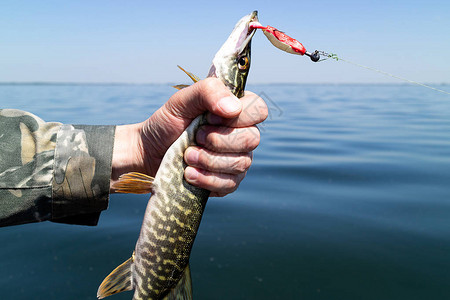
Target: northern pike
[159,266]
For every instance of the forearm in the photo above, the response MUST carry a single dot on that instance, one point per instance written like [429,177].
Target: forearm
[82,173]
[50,171]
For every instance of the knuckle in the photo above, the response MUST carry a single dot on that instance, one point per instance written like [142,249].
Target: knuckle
[207,91]
[231,139]
[206,180]
[210,86]
[210,182]
[253,138]
[242,164]
[212,142]
[263,110]
[220,194]
[220,139]
[256,108]
[231,185]
[227,184]
[247,162]
[211,162]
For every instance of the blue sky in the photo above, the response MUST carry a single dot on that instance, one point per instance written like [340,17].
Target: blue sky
[143,41]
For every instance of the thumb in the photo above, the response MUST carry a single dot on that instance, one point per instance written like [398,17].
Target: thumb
[209,94]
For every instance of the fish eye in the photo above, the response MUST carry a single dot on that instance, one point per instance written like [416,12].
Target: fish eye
[243,63]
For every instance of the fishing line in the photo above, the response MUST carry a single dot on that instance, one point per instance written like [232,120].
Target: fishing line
[288,44]
[336,58]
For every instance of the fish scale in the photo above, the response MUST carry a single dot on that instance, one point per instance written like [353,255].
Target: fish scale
[170,188]
[159,267]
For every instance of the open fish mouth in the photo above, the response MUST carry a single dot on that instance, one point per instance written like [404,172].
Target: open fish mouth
[247,32]
[232,62]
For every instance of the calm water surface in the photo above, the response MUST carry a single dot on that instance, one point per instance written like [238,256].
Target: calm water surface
[348,198]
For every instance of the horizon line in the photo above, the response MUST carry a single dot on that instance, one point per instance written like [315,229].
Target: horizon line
[173,83]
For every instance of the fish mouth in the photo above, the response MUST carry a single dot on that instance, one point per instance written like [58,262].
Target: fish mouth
[253,18]
[237,44]
[248,31]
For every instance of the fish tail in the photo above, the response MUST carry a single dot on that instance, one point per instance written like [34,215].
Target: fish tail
[121,280]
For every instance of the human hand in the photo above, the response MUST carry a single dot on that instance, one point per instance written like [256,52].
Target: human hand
[225,144]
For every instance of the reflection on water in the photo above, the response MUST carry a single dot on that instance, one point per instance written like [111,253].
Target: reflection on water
[348,198]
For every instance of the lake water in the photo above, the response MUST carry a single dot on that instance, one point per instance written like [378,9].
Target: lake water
[348,198]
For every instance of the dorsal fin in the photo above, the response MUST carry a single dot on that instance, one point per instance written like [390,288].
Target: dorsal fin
[191,76]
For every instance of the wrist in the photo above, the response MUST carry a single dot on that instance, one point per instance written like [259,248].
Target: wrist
[127,156]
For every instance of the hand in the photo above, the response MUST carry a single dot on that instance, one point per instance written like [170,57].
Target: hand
[225,145]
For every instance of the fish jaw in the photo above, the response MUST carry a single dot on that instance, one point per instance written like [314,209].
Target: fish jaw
[228,63]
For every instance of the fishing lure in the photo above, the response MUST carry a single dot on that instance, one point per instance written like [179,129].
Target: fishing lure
[288,44]
[284,42]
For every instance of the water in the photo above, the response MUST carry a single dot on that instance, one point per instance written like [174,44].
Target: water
[348,198]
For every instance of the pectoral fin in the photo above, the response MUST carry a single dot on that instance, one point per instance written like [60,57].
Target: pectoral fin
[119,280]
[183,289]
[180,86]
[134,182]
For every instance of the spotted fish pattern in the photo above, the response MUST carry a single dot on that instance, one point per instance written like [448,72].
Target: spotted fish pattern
[170,225]
[159,265]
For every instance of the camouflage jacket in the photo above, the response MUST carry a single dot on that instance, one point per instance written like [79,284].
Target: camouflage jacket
[52,171]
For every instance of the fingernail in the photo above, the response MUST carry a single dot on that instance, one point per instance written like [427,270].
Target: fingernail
[201,136]
[190,173]
[229,104]
[192,156]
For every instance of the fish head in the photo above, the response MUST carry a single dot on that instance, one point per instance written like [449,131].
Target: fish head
[231,63]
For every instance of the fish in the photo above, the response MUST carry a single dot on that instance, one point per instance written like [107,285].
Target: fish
[159,266]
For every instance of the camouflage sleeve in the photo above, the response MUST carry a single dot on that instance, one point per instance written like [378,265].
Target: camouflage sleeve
[51,171]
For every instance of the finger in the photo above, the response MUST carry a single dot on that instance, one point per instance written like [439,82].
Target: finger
[209,94]
[227,139]
[219,183]
[254,111]
[231,163]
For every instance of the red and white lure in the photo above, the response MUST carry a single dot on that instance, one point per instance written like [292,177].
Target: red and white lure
[284,42]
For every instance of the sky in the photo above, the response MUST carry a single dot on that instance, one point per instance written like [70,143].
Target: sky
[112,41]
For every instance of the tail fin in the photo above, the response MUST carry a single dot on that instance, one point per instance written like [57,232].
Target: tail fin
[134,182]
[119,280]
